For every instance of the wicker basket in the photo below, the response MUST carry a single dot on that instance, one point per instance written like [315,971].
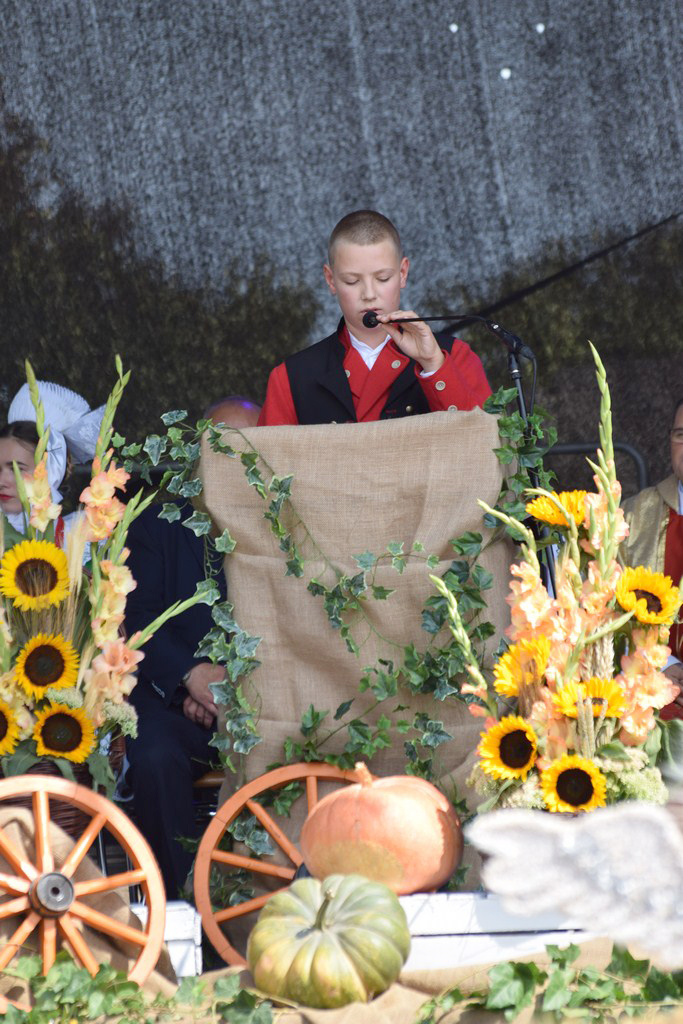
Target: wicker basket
[69,818]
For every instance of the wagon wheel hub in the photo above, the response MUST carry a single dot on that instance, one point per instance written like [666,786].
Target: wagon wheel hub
[51,894]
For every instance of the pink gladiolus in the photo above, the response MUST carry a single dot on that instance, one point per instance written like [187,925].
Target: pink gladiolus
[103,484]
[43,509]
[119,576]
[103,518]
[115,657]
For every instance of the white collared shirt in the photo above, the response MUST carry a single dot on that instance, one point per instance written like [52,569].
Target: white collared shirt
[368,354]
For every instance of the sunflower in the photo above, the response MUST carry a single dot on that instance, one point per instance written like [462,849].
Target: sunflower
[508,749]
[651,596]
[547,511]
[522,664]
[9,729]
[573,783]
[602,692]
[62,731]
[34,574]
[46,661]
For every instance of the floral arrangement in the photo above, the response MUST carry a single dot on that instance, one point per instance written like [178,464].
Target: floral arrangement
[571,708]
[65,668]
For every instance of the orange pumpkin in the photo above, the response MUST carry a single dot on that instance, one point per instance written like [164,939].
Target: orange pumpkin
[399,830]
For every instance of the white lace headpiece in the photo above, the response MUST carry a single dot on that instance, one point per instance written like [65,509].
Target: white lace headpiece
[74,426]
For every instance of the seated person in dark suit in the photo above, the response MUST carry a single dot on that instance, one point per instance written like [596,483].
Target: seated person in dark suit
[176,711]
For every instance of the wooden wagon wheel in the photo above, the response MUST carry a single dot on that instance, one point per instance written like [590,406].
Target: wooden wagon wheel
[209,855]
[48,898]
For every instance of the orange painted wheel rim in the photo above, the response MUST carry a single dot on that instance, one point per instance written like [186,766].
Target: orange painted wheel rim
[48,898]
[209,855]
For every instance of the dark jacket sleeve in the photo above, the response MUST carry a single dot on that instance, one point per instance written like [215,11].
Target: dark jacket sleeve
[166,560]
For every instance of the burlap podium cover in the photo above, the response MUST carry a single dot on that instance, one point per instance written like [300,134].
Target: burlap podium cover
[357,487]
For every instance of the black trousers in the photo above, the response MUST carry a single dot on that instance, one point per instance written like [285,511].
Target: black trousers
[168,755]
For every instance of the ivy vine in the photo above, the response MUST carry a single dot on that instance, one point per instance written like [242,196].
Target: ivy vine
[437,670]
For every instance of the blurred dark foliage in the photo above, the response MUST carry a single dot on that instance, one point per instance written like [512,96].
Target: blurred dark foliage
[74,292]
[629,303]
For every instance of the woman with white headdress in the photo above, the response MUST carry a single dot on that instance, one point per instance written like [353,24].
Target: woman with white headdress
[74,428]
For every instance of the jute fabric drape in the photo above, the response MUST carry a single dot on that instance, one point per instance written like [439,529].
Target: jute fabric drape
[356,487]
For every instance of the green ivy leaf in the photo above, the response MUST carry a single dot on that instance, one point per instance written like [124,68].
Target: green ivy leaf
[660,987]
[200,524]
[191,488]
[311,720]
[170,511]
[342,709]
[295,566]
[225,543]
[468,544]
[558,993]
[155,446]
[174,416]
[366,560]
[512,986]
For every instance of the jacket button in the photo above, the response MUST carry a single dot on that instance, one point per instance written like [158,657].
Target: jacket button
[452,408]
[440,385]
[347,372]
[396,365]
[409,408]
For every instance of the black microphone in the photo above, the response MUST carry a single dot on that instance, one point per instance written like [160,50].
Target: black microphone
[513,342]
[370,319]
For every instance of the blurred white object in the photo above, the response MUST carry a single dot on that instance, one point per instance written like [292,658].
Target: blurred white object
[182,935]
[618,871]
[461,929]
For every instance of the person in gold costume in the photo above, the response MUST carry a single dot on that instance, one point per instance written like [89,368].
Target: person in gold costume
[655,519]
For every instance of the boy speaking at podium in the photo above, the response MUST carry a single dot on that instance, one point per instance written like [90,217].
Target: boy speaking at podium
[365,373]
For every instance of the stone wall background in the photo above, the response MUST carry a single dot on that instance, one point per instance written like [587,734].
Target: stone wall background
[508,139]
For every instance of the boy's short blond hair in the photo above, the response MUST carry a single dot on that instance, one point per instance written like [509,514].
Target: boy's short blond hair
[363,227]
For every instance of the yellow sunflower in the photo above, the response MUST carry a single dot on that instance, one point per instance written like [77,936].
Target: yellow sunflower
[651,596]
[600,691]
[573,783]
[46,661]
[522,664]
[544,509]
[508,749]
[9,729]
[62,731]
[34,574]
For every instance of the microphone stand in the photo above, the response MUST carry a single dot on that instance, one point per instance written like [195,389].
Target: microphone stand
[516,349]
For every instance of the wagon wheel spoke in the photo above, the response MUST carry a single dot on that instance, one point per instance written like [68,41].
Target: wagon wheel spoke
[109,925]
[261,867]
[108,883]
[11,883]
[311,792]
[15,858]
[275,832]
[16,941]
[12,907]
[83,844]
[79,946]
[48,942]
[41,817]
[243,908]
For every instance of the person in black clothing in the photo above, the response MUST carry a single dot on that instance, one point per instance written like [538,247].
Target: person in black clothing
[176,711]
